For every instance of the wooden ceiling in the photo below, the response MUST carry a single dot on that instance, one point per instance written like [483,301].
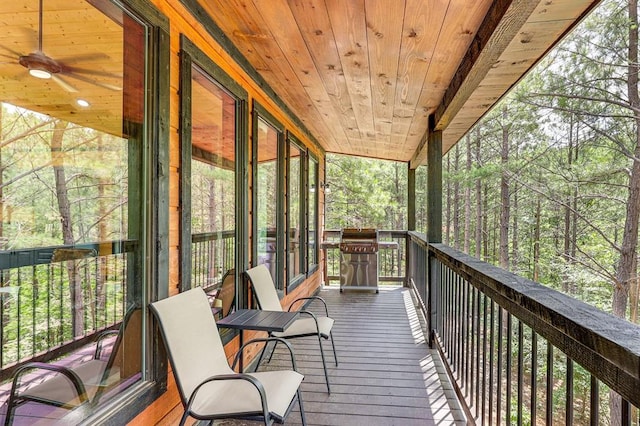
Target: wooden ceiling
[85,42]
[365,75]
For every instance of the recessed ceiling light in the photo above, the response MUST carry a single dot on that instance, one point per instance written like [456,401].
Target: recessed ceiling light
[83,103]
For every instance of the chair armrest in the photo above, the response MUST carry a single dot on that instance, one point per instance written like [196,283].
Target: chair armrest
[72,376]
[238,376]
[266,340]
[100,341]
[312,298]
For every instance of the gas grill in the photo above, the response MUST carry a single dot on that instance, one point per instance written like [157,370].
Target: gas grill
[359,259]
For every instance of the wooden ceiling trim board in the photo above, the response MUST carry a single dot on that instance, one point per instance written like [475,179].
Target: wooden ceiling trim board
[501,24]
[349,26]
[315,26]
[422,26]
[384,35]
[286,33]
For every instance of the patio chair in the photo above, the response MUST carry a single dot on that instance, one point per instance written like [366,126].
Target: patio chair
[209,388]
[69,387]
[309,325]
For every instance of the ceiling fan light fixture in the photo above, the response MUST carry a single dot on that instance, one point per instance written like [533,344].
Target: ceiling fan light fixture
[40,73]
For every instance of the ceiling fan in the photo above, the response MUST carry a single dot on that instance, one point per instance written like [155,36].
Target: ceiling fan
[42,66]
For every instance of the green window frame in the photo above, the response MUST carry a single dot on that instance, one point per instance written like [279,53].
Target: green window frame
[191,55]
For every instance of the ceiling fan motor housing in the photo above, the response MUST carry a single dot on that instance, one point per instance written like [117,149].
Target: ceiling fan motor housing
[39,61]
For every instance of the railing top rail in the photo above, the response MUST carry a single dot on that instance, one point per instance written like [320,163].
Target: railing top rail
[44,255]
[607,346]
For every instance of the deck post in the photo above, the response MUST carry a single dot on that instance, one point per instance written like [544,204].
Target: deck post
[411,198]
[434,219]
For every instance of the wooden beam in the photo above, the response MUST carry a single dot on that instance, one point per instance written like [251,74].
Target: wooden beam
[500,26]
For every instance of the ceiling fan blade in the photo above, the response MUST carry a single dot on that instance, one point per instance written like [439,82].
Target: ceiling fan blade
[94,82]
[66,86]
[83,57]
[14,54]
[92,72]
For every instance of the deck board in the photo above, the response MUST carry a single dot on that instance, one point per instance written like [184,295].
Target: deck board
[386,373]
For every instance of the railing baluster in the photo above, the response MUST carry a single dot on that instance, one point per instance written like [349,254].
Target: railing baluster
[34,295]
[520,400]
[534,376]
[491,377]
[19,316]
[594,410]
[484,356]
[569,393]
[499,366]
[549,406]
[508,370]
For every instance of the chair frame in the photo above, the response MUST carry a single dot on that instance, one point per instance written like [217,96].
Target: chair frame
[318,333]
[268,417]
[16,399]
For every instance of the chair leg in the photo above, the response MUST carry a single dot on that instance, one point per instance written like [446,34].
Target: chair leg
[324,363]
[183,420]
[275,344]
[335,356]
[304,420]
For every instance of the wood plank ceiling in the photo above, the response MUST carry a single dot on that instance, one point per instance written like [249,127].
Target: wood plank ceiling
[364,75]
[84,42]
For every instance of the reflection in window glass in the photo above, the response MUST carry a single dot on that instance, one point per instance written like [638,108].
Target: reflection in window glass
[72,219]
[293,212]
[212,184]
[313,212]
[267,195]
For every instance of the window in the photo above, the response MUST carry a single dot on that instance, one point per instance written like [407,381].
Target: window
[212,112]
[312,218]
[213,162]
[76,213]
[295,213]
[266,195]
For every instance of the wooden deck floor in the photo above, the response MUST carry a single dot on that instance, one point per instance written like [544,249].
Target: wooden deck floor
[386,374]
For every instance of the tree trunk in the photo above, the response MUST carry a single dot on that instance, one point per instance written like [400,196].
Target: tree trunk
[536,242]
[447,234]
[456,198]
[626,265]
[467,199]
[64,208]
[514,226]
[504,194]
[479,222]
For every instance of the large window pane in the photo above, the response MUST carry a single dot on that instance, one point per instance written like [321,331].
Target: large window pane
[294,210]
[267,195]
[213,163]
[312,241]
[73,168]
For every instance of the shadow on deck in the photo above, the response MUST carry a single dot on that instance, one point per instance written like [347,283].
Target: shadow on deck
[387,375]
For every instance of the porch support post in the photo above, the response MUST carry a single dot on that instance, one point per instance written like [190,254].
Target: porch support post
[434,187]
[411,199]
[434,223]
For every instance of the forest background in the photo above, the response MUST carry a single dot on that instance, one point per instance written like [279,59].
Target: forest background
[547,185]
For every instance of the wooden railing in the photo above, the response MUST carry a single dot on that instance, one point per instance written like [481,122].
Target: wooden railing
[56,299]
[519,352]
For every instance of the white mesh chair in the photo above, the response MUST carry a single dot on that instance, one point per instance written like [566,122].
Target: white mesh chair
[209,388]
[308,324]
